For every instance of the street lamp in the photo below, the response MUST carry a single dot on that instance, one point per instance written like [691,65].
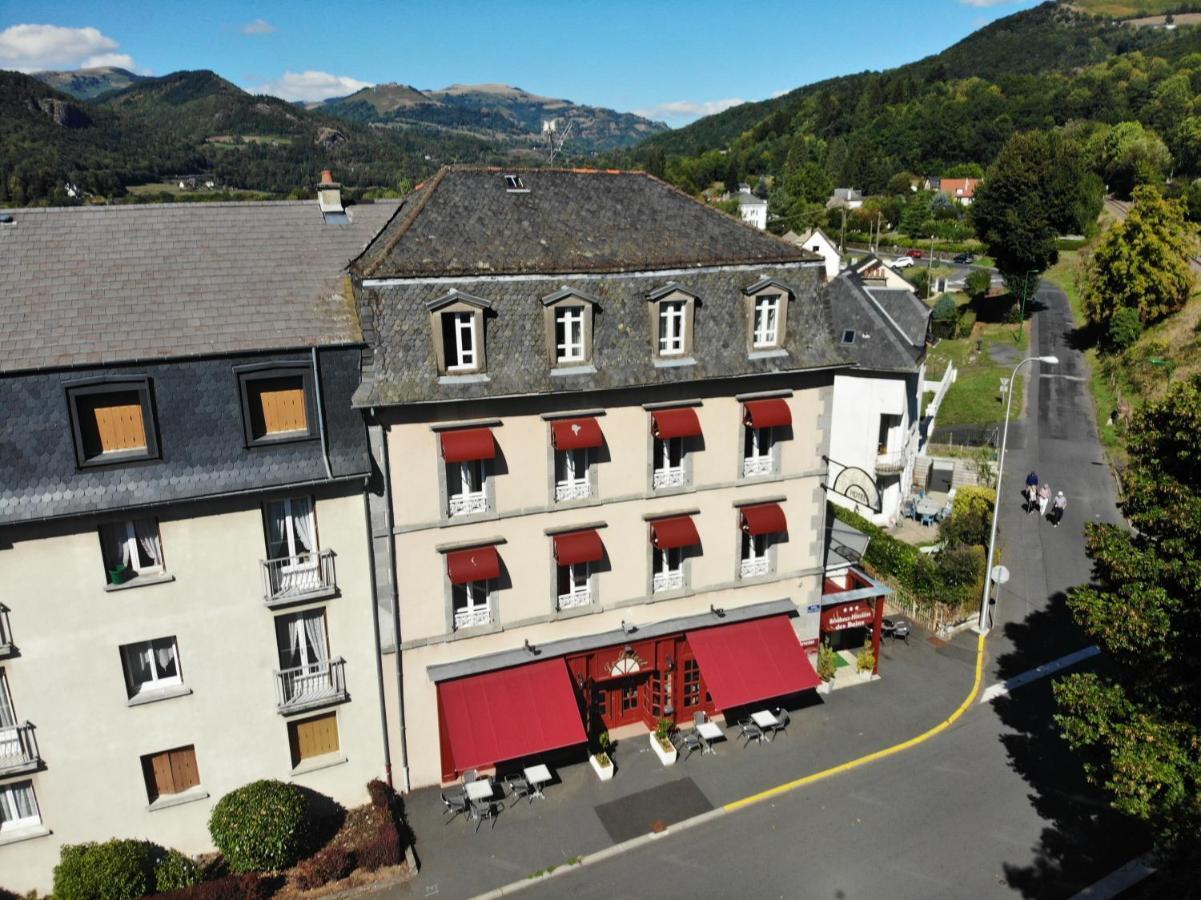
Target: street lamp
[982,625]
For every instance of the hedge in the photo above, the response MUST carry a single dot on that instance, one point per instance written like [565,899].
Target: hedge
[263,826]
[175,871]
[114,870]
[383,850]
[232,887]
[330,864]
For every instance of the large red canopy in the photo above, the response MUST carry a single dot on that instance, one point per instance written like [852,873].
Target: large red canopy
[473,564]
[576,434]
[767,413]
[763,518]
[578,547]
[748,662]
[467,444]
[509,714]
[674,423]
[678,531]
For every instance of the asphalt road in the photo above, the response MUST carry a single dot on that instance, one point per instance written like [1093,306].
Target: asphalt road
[995,806]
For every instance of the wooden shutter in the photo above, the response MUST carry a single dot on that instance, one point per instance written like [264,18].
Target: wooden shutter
[313,737]
[159,780]
[281,403]
[112,422]
[183,768]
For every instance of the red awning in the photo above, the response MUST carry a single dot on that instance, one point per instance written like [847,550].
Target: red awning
[473,564]
[678,531]
[675,423]
[576,434]
[748,662]
[578,547]
[767,413]
[853,614]
[509,714]
[468,444]
[764,518]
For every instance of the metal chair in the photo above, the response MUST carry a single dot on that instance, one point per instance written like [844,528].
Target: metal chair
[691,741]
[927,520]
[699,718]
[455,804]
[519,786]
[470,775]
[782,719]
[944,513]
[909,510]
[485,809]
[750,731]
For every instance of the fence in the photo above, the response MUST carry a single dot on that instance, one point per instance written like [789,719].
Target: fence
[936,617]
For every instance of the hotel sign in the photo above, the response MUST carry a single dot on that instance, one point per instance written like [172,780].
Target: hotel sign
[855,614]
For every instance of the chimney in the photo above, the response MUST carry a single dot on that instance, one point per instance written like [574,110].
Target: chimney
[329,193]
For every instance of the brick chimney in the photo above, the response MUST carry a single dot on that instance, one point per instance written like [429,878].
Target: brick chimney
[329,193]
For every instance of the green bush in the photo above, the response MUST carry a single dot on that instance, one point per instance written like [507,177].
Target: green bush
[865,661]
[262,826]
[967,321]
[825,662]
[114,870]
[971,517]
[978,283]
[1124,330]
[175,871]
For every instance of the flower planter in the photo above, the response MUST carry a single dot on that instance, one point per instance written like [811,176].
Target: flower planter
[604,771]
[826,687]
[667,755]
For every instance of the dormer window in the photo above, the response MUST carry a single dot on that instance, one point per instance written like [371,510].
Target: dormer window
[672,321]
[458,341]
[457,322]
[767,320]
[671,327]
[766,307]
[568,319]
[112,421]
[514,184]
[569,334]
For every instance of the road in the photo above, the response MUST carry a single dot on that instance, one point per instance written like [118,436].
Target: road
[992,807]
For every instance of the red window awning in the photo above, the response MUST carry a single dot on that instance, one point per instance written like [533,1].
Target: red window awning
[467,444]
[473,564]
[853,614]
[576,434]
[763,518]
[766,413]
[509,714]
[678,531]
[578,547]
[675,423]
[748,662]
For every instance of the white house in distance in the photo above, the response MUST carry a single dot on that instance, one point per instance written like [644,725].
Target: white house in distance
[817,241]
[752,209]
[875,430]
[848,198]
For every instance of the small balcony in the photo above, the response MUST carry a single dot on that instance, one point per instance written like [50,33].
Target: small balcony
[753,568]
[572,490]
[580,597]
[756,465]
[291,579]
[311,686]
[7,647]
[891,463]
[18,750]
[668,581]
[472,617]
[466,504]
[668,478]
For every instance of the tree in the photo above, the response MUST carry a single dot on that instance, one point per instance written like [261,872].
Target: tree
[1037,189]
[1130,155]
[1137,724]
[978,283]
[1141,263]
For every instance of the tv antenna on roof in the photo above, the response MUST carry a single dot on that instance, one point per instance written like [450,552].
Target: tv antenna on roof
[555,136]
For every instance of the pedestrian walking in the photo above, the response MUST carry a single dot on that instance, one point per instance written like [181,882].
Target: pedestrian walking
[1044,497]
[1032,480]
[1057,508]
[1031,495]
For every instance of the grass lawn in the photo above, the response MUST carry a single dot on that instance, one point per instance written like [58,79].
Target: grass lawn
[975,397]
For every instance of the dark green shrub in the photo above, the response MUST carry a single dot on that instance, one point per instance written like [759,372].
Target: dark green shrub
[175,871]
[263,826]
[382,850]
[967,321]
[114,870]
[978,283]
[323,867]
[1125,327]
[971,517]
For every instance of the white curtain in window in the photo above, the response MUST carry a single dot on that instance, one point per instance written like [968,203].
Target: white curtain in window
[314,631]
[302,523]
[7,717]
[289,651]
[16,802]
[148,539]
[141,663]
[277,530]
[164,654]
[113,541]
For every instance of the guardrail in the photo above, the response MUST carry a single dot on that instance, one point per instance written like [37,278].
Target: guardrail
[312,685]
[290,578]
[18,749]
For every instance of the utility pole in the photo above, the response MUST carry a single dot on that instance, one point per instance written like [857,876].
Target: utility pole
[842,235]
[930,268]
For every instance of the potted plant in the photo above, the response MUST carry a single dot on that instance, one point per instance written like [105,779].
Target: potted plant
[826,666]
[661,741]
[865,661]
[118,574]
[602,763]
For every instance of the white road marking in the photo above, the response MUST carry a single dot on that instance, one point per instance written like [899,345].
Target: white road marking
[1001,688]
[1063,377]
[1118,880]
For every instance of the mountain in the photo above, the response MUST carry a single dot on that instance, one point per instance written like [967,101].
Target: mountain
[505,115]
[84,84]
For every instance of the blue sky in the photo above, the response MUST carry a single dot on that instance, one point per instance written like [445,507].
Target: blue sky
[672,61]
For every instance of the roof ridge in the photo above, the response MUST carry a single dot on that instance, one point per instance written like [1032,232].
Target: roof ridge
[181,205]
[407,222]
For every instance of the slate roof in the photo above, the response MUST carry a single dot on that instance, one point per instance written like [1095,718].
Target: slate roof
[465,221]
[890,329]
[102,284]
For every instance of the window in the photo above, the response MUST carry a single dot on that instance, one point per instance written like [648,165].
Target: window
[629,697]
[668,469]
[8,716]
[672,327]
[303,642]
[291,529]
[170,772]
[756,555]
[514,184]
[571,474]
[457,330]
[131,549]
[466,487]
[692,683]
[767,320]
[151,666]
[757,451]
[668,569]
[848,336]
[18,806]
[317,736]
[888,422]
[112,422]
[569,334]
[470,602]
[458,341]
[574,589]
[276,403]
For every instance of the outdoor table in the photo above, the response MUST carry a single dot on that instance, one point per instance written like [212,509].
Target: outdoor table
[927,508]
[537,776]
[710,731]
[764,719]
[480,790]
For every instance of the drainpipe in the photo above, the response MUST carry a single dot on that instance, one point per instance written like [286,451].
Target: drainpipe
[329,473]
[390,521]
[379,660]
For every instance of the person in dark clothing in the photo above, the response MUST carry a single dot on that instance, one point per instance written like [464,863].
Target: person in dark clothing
[1031,492]
[1058,505]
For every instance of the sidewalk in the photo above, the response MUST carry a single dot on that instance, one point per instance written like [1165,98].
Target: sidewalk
[922,683]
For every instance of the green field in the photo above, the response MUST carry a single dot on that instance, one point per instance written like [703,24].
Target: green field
[1133,9]
[975,397]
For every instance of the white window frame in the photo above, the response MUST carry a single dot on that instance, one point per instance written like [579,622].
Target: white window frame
[759,460]
[767,320]
[579,585]
[134,551]
[9,820]
[478,600]
[672,327]
[298,560]
[754,556]
[470,471]
[466,356]
[667,577]
[577,473]
[156,682]
[665,474]
[571,348]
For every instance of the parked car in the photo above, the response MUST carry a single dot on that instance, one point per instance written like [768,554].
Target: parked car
[964,258]
[902,262]
[916,254]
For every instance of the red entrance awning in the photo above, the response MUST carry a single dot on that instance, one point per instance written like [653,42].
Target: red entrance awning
[576,434]
[763,518]
[748,662]
[853,614]
[578,547]
[473,564]
[467,444]
[767,413]
[675,423]
[678,531]
[509,714]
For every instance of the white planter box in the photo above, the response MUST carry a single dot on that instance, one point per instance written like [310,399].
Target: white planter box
[604,773]
[667,757]
[825,687]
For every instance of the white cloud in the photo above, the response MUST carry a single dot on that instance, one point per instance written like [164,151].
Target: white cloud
[30,48]
[258,26]
[311,86]
[686,110]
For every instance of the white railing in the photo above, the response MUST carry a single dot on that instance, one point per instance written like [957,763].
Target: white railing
[295,577]
[668,478]
[756,465]
[465,504]
[469,618]
[313,684]
[18,748]
[668,581]
[579,597]
[572,490]
[750,568]
[6,639]
[940,389]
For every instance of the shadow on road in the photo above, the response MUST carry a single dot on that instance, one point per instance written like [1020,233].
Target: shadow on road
[1085,839]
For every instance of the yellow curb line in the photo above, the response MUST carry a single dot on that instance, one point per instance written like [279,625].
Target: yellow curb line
[871,757]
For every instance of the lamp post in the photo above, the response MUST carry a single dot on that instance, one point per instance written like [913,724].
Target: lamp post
[982,625]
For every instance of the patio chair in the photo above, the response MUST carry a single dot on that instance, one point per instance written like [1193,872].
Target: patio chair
[485,809]
[519,787]
[909,510]
[944,513]
[691,741]
[927,520]
[699,718]
[470,775]
[455,804]
[783,719]
[750,731]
